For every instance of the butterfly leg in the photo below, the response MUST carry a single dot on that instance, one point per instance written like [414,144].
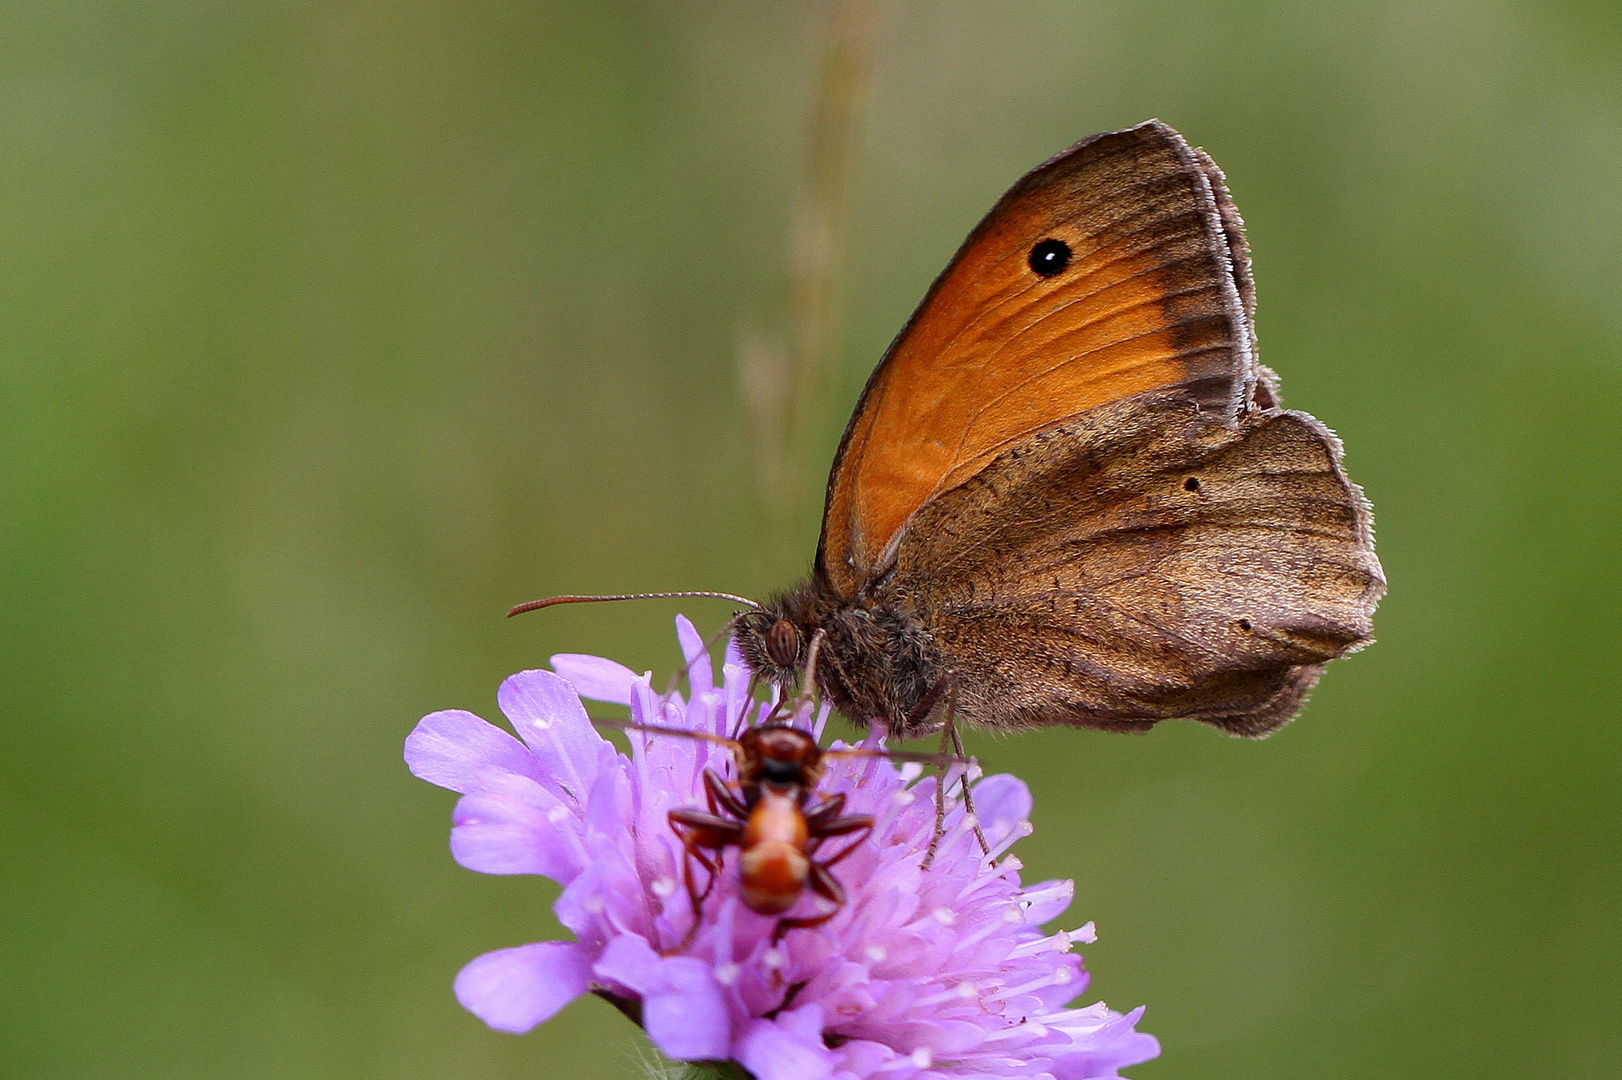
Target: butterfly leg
[685,671]
[968,795]
[946,686]
[808,689]
[749,705]
[951,743]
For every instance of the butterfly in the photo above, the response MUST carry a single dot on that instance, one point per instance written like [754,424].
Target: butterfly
[1069,494]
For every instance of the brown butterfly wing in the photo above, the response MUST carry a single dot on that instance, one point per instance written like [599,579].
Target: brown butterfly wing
[1155,295]
[1141,562]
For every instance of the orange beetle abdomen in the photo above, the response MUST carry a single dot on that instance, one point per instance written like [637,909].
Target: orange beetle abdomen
[772,876]
[773,867]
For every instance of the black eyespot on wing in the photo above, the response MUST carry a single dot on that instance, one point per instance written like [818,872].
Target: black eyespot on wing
[1049,257]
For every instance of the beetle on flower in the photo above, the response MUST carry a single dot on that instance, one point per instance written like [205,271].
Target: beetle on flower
[942,972]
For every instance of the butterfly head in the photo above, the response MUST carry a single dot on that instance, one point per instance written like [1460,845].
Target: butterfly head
[775,638]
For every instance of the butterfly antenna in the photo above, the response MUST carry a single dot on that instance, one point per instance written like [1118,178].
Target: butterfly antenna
[553,601]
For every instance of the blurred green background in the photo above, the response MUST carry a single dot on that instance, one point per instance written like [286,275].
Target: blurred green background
[328,331]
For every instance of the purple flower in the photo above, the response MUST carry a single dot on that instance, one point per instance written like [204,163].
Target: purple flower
[942,972]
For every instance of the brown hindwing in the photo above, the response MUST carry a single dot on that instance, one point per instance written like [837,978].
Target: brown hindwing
[1142,562]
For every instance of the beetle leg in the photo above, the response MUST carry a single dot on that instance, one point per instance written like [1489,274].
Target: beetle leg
[825,885]
[700,830]
[697,831]
[720,796]
[827,810]
[861,824]
[844,826]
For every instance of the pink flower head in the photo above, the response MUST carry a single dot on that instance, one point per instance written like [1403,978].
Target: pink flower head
[939,973]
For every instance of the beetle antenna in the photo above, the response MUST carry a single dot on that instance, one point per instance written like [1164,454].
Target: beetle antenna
[553,601]
[660,729]
[922,757]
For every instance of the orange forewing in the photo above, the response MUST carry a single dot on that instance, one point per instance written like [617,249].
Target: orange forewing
[1150,299]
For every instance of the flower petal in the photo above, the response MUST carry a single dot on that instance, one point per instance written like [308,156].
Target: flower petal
[1002,801]
[862,1057]
[700,675]
[596,678]
[454,749]
[517,827]
[516,989]
[788,1048]
[684,1009]
[629,961]
[1046,901]
[1112,1046]
[687,1016]
[733,658]
[546,712]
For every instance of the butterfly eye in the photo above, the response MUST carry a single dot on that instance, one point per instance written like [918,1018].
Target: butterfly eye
[783,643]
[1049,257]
